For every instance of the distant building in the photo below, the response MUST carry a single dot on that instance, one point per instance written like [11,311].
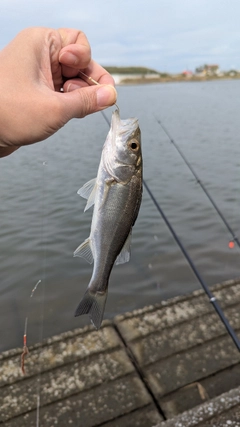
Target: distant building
[188,74]
[208,70]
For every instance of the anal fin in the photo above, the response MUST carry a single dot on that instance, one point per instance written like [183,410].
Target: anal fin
[125,253]
[85,251]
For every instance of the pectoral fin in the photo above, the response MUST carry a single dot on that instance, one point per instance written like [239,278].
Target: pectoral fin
[124,255]
[88,191]
[85,251]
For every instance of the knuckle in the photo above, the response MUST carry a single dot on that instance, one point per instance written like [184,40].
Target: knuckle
[88,102]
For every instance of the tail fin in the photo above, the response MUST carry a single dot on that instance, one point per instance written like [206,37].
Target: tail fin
[94,304]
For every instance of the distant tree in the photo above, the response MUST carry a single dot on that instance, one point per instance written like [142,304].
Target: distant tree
[130,70]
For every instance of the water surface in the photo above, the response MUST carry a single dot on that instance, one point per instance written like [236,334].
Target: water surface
[42,218]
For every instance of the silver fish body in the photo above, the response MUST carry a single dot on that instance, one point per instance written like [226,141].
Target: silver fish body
[116,194]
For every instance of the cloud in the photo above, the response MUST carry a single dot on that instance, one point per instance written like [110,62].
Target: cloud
[163,34]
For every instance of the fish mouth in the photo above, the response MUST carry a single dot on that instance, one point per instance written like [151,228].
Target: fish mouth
[125,127]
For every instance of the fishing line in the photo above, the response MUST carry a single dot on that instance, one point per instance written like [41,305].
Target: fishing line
[205,287]
[42,299]
[43,281]
[90,79]
[203,187]
[25,348]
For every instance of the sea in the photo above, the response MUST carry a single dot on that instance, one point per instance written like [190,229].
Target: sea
[42,219]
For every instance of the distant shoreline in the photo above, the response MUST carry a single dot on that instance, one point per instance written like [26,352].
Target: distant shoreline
[142,75]
[177,79]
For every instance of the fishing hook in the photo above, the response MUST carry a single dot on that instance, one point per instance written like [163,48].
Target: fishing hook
[93,81]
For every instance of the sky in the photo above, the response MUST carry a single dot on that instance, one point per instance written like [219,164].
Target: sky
[166,35]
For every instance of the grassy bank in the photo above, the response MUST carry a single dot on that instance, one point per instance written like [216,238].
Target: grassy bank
[172,79]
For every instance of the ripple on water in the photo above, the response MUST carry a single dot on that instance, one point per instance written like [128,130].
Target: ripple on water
[42,218]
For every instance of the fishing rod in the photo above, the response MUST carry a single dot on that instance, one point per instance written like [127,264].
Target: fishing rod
[205,287]
[220,214]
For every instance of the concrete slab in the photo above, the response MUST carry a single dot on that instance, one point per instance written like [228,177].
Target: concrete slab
[198,392]
[153,363]
[182,349]
[84,377]
[57,351]
[140,323]
[190,366]
[144,417]
[62,382]
[91,407]
[223,411]
[181,336]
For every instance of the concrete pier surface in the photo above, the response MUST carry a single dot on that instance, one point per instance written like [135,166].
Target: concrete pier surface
[168,365]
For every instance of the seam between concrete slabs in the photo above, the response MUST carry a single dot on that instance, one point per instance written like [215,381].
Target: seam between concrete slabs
[139,372]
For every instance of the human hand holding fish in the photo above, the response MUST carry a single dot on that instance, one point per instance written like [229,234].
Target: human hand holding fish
[35,66]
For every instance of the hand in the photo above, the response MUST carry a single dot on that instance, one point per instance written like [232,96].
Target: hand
[34,67]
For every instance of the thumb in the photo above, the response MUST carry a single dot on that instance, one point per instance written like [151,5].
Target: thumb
[86,100]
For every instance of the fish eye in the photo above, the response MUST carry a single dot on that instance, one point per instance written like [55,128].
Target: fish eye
[133,144]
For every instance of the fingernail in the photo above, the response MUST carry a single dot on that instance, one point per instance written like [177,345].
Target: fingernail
[106,96]
[71,87]
[68,58]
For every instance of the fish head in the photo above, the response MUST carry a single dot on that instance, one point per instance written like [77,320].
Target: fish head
[123,148]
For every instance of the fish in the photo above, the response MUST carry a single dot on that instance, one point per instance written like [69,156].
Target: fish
[116,194]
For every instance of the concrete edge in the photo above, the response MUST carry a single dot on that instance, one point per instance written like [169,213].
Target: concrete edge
[206,411]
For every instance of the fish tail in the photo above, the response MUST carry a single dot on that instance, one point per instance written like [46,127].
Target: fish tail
[94,304]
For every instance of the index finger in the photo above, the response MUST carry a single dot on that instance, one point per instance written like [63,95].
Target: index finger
[72,36]
[75,52]
[75,42]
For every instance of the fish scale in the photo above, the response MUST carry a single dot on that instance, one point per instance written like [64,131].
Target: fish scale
[116,194]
